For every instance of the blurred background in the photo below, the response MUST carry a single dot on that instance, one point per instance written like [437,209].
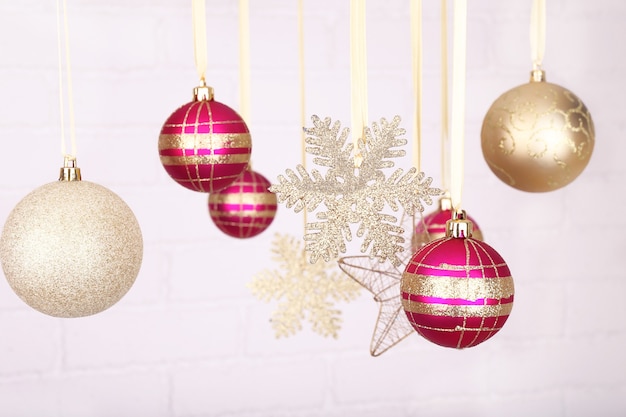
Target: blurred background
[189,339]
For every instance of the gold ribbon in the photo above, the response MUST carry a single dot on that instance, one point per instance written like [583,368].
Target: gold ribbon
[445,122]
[198,16]
[459,52]
[538,32]
[416,66]
[358,75]
[302,90]
[70,93]
[244,60]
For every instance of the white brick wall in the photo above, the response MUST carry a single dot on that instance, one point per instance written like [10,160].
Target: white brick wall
[189,340]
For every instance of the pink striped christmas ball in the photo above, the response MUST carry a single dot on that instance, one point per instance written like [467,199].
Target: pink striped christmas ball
[433,227]
[205,145]
[457,292]
[245,208]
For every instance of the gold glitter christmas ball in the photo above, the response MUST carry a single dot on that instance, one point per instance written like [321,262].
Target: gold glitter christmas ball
[71,248]
[538,136]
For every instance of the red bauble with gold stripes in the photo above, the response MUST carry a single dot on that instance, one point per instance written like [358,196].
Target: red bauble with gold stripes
[433,225]
[457,291]
[205,145]
[245,208]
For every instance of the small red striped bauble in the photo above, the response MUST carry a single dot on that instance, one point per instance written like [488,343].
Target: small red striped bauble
[433,225]
[245,208]
[457,291]
[204,145]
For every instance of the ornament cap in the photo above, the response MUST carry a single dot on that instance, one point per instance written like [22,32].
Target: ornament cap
[537,76]
[203,92]
[459,226]
[69,171]
[445,203]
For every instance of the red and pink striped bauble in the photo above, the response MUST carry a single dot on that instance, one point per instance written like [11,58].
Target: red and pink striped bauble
[457,291]
[245,208]
[433,225]
[205,145]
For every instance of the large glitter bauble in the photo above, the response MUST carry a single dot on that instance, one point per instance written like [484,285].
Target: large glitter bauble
[457,291]
[433,225]
[245,208]
[204,145]
[538,136]
[71,248]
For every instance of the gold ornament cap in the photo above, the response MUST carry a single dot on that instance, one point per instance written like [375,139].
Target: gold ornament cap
[203,92]
[69,171]
[445,203]
[459,226]
[537,76]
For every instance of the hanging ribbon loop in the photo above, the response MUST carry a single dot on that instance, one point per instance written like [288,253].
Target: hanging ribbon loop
[445,122]
[302,92]
[358,75]
[244,60]
[538,33]
[416,67]
[68,73]
[459,52]
[198,13]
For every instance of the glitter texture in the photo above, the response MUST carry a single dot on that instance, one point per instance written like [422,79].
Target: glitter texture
[354,195]
[71,249]
[308,291]
[457,292]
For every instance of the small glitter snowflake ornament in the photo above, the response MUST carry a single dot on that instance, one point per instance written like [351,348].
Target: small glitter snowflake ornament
[354,192]
[307,291]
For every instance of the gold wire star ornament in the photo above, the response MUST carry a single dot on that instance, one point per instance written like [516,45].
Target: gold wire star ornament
[354,193]
[306,291]
[382,279]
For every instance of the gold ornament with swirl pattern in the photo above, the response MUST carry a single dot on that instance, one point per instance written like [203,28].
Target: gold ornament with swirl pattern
[538,136]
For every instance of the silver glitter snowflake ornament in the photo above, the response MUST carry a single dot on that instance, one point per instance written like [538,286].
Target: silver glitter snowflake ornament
[354,190]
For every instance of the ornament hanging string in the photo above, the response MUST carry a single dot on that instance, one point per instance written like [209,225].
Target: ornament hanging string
[538,33]
[445,149]
[415,18]
[416,67]
[198,12]
[302,91]
[68,73]
[244,60]
[459,52]
[358,75]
